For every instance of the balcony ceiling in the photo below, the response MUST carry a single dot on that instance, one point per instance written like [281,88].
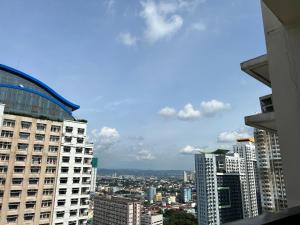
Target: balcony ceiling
[258,68]
[264,121]
[287,11]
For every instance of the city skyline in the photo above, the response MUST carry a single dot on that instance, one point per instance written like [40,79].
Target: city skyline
[149,99]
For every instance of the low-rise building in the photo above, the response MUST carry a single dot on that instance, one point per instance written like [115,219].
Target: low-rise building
[152,219]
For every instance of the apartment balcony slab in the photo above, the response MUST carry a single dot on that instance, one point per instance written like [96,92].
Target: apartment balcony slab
[265,121]
[258,68]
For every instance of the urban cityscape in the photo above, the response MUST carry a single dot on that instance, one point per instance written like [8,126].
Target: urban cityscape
[123,161]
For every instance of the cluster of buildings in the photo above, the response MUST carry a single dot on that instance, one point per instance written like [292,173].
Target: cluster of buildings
[45,158]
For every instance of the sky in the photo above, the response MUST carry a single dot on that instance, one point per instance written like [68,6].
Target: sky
[157,80]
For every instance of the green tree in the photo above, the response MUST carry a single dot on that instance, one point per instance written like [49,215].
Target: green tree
[179,217]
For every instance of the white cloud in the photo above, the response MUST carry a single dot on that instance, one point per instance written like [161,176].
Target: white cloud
[161,20]
[144,155]
[188,113]
[190,150]
[110,6]
[232,136]
[167,112]
[198,27]
[211,108]
[105,138]
[127,39]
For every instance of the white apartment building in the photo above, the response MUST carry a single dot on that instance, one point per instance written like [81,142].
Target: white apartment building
[110,210]
[74,176]
[246,150]
[273,193]
[152,219]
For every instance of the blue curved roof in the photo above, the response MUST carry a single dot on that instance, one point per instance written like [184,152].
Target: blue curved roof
[40,84]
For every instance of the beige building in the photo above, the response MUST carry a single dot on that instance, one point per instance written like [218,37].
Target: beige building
[45,169]
[152,219]
[110,210]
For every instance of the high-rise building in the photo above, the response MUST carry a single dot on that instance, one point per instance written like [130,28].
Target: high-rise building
[218,184]
[152,219]
[185,177]
[246,150]
[158,197]
[279,70]
[45,159]
[151,192]
[186,194]
[116,210]
[94,174]
[273,194]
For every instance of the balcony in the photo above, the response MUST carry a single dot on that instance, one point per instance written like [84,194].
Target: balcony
[264,121]
[258,68]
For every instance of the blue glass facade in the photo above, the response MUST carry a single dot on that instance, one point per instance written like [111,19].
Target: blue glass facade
[24,95]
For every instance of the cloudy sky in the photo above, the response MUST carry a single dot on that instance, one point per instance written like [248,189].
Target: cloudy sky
[156,79]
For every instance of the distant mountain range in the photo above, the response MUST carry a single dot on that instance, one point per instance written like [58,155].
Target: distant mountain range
[142,173]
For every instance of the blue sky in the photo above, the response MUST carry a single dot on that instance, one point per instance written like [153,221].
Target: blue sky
[156,79]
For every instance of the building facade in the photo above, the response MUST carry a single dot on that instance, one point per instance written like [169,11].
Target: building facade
[218,184]
[33,121]
[116,210]
[272,186]
[152,219]
[94,174]
[151,192]
[186,194]
[246,150]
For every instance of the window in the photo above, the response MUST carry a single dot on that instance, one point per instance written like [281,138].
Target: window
[36,159]
[28,216]
[19,169]
[4,157]
[76,180]
[2,181]
[13,205]
[20,158]
[7,133]
[67,149]
[77,169]
[54,138]
[38,148]
[12,218]
[64,169]
[63,180]
[41,126]
[49,180]
[78,150]
[24,136]
[65,159]
[74,201]
[46,203]
[80,130]
[39,137]
[22,147]
[15,193]
[78,159]
[87,161]
[55,129]
[68,139]
[33,180]
[35,169]
[17,181]
[45,215]
[60,214]
[88,151]
[50,169]
[31,192]
[48,191]
[62,191]
[69,129]
[5,145]
[8,123]
[25,125]
[53,148]
[73,212]
[75,190]
[80,140]
[61,202]
[51,160]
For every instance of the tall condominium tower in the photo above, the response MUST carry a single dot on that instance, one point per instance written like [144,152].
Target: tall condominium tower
[246,150]
[273,194]
[45,163]
[117,211]
[94,174]
[219,194]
